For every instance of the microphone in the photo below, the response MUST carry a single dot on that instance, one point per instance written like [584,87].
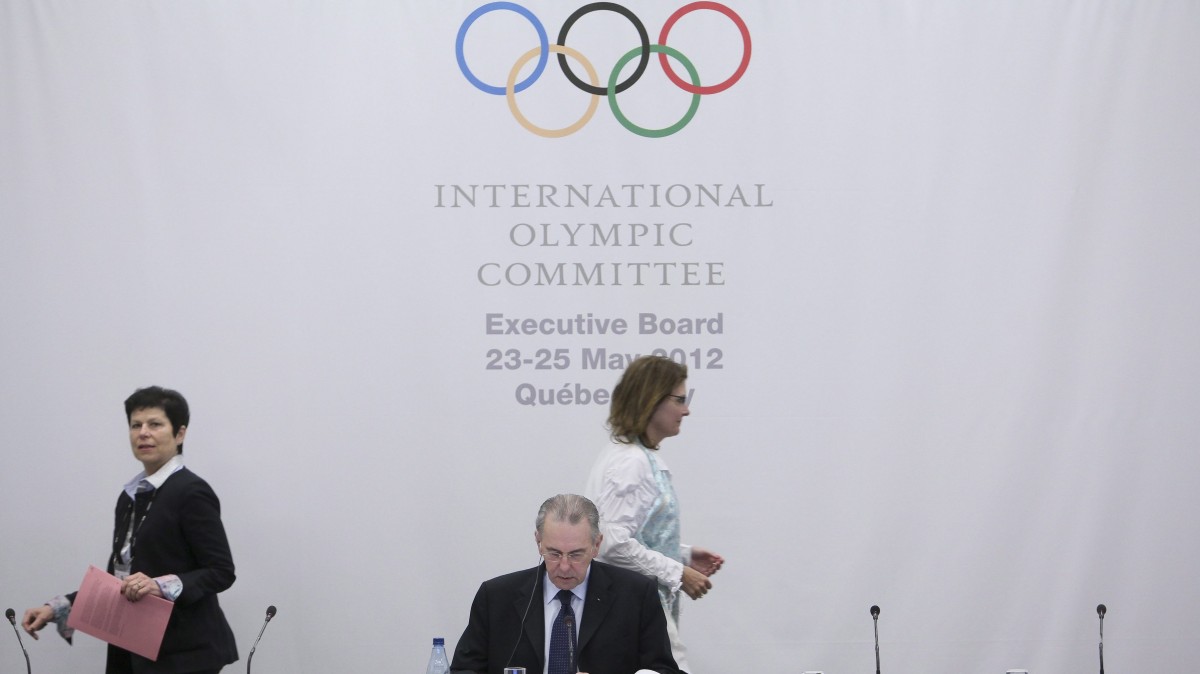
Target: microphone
[12,619]
[270,614]
[537,577]
[1100,611]
[875,617]
[570,622]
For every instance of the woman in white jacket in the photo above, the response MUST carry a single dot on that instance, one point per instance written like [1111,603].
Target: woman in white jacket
[631,485]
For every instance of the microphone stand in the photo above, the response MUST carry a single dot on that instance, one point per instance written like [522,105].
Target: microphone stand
[270,614]
[571,644]
[1101,609]
[12,619]
[875,617]
[877,645]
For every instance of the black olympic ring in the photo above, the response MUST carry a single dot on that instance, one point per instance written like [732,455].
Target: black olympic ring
[612,7]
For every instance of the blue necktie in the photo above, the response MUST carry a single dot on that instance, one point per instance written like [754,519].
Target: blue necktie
[562,637]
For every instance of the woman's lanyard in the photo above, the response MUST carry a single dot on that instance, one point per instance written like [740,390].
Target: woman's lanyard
[123,560]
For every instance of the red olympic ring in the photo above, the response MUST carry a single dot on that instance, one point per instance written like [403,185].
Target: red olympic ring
[716,88]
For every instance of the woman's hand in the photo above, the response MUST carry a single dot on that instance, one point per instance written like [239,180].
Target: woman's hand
[695,584]
[706,562]
[139,585]
[36,618]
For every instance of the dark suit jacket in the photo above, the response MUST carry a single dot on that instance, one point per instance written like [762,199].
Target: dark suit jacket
[623,627]
[182,534]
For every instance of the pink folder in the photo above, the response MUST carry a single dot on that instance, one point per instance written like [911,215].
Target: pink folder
[101,611]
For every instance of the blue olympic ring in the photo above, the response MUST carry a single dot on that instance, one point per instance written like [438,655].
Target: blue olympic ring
[543,42]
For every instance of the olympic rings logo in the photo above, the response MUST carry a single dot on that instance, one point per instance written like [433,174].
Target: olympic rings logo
[642,53]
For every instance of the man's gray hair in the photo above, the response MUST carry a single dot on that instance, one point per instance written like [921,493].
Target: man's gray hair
[572,509]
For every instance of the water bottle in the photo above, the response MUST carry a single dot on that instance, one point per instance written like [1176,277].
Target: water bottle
[438,664]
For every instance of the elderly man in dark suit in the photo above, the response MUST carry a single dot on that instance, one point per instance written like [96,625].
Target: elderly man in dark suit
[570,613]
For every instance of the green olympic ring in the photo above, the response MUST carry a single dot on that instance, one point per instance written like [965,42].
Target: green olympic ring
[612,92]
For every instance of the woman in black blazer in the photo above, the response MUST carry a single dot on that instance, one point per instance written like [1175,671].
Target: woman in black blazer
[168,541]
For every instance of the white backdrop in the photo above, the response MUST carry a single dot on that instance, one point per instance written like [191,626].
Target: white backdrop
[959,327]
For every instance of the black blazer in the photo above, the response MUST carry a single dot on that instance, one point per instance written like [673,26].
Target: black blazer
[623,627]
[182,534]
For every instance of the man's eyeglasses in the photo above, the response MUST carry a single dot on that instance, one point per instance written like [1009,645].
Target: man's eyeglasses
[556,557]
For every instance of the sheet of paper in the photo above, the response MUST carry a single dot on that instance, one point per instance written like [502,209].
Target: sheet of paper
[101,611]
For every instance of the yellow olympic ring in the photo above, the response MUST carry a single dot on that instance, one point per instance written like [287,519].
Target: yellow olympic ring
[510,92]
